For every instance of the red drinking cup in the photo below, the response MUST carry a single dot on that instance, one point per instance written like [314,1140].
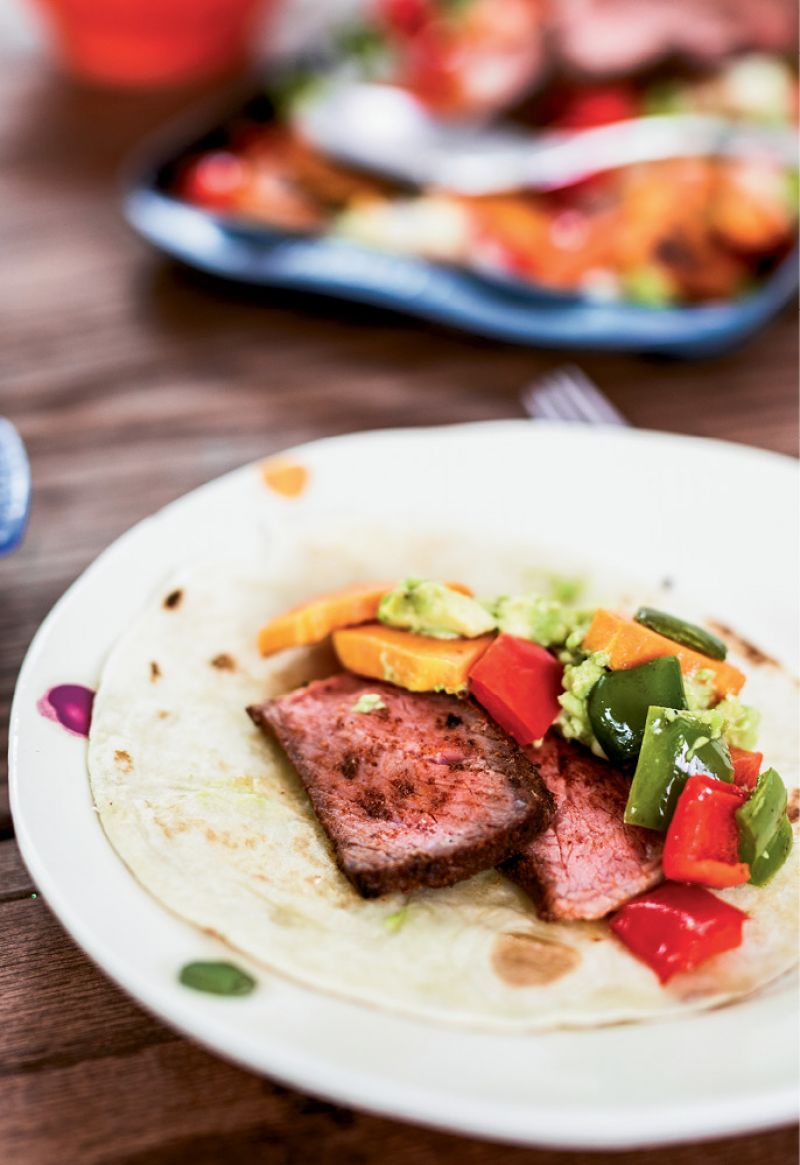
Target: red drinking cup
[152,42]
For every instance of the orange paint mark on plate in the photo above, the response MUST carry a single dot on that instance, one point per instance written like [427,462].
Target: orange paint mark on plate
[287,478]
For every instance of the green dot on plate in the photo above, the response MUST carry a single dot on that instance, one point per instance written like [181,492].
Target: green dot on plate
[216,978]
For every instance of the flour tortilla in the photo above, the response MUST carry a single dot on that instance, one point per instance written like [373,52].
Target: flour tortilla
[213,821]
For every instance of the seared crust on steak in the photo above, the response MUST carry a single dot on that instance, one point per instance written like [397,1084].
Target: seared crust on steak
[587,862]
[424,791]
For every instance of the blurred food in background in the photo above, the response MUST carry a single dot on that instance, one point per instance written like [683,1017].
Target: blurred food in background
[480,56]
[683,230]
[615,36]
[458,56]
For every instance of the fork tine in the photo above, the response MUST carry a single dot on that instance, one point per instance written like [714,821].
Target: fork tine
[545,398]
[551,400]
[578,399]
[567,394]
[546,401]
[595,400]
[544,409]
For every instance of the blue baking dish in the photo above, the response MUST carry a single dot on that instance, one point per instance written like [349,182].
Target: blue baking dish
[258,255]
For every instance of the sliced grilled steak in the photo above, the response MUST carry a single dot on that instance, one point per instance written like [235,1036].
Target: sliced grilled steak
[587,862]
[422,792]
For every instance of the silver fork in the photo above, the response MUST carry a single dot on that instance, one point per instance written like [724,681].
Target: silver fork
[567,394]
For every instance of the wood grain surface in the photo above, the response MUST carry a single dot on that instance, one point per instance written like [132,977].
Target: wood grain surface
[132,381]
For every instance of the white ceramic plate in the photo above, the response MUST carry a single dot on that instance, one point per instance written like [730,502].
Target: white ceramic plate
[718,519]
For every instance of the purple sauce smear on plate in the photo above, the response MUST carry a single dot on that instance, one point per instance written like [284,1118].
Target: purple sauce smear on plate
[69,705]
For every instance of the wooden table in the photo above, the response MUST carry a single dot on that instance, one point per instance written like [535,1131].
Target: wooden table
[131,382]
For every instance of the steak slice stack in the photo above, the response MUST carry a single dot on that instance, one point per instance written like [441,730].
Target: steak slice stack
[587,862]
[424,791]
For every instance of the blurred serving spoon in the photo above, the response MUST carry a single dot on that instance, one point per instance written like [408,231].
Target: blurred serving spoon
[385,130]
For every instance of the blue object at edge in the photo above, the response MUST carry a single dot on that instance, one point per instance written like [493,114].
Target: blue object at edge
[15,487]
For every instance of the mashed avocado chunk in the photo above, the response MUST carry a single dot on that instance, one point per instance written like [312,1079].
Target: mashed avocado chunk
[740,721]
[432,608]
[699,689]
[573,719]
[368,702]
[547,622]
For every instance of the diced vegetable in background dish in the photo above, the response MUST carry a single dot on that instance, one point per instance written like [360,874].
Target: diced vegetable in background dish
[434,608]
[751,211]
[765,835]
[702,843]
[627,644]
[679,631]
[216,180]
[597,104]
[619,701]
[314,621]
[518,683]
[676,745]
[416,662]
[650,286]
[676,928]
[746,767]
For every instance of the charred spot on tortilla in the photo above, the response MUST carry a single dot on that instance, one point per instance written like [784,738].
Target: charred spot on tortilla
[155,671]
[398,819]
[224,662]
[525,960]
[123,759]
[453,721]
[793,806]
[173,599]
[742,646]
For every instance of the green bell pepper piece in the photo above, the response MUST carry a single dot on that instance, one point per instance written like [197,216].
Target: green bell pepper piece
[676,745]
[619,701]
[766,866]
[679,631]
[765,835]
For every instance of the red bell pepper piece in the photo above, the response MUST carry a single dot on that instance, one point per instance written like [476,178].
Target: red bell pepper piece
[702,843]
[676,928]
[518,683]
[746,767]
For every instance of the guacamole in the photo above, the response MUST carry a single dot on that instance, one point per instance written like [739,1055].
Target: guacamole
[433,608]
[548,622]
